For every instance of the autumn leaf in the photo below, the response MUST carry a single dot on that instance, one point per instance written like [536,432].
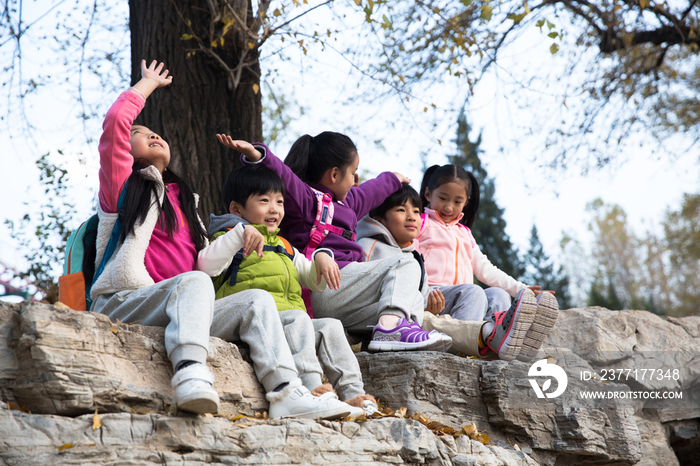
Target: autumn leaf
[114,329]
[96,423]
[554,49]
[256,88]
[235,418]
[65,446]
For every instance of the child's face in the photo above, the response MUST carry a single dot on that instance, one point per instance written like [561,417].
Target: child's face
[402,221]
[346,179]
[448,200]
[149,147]
[261,209]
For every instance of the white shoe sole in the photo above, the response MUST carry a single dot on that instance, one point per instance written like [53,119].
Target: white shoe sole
[545,318]
[199,403]
[328,414]
[513,343]
[434,344]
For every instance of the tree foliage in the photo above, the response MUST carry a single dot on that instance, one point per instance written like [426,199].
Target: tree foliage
[539,270]
[660,274]
[43,231]
[489,228]
[644,76]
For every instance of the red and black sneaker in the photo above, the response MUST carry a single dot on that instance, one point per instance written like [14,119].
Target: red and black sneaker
[512,325]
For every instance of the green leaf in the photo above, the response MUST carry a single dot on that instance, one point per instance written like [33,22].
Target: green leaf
[554,49]
[553,35]
[466,2]
[550,26]
[186,37]
[540,23]
[486,13]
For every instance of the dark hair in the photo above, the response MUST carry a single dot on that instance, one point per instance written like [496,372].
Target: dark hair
[400,197]
[138,199]
[310,157]
[437,175]
[248,181]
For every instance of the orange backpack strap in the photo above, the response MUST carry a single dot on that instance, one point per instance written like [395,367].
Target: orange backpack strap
[287,246]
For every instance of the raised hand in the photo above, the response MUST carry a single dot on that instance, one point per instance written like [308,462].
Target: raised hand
[155,72]
[152,77]
[243,147]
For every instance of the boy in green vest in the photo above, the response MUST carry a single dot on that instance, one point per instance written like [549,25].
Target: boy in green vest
[246,253]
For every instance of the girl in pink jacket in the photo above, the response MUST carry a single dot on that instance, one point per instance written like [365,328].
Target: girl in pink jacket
[450,198]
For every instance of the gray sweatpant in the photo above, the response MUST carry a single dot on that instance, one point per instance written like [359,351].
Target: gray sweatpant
[369,290]
[311,340]
[473,303]
[185,306]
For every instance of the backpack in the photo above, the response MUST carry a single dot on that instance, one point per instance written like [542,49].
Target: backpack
[323,223]
[79,271]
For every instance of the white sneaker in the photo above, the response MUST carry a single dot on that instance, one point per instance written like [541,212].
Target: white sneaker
[193,390]
[297,401]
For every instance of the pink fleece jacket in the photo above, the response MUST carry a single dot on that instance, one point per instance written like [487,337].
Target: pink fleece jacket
[165,257]
[452,257]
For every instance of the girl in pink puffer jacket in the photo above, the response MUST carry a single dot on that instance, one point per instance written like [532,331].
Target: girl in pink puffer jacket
[450,198]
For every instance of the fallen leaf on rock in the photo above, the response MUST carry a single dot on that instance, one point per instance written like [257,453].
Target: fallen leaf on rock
[235,418]
[435,425]
[65,446]
[60,305]
[114,329]
[96,423]
[516,447]
[401,412]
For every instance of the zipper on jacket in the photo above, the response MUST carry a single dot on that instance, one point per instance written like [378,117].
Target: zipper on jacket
[456,260]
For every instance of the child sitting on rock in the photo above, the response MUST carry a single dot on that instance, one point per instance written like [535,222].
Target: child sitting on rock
[254,197]
[152,278]
[391,229]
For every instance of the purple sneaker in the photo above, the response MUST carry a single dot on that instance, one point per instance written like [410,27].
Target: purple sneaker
[408,336]
[512,325]
[545,318]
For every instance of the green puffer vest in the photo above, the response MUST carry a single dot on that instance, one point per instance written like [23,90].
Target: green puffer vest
[273,272]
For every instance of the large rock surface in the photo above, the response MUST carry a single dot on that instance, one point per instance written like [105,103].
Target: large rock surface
[63,365]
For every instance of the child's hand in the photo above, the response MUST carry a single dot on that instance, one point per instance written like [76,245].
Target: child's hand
[538,290]
[155,73]
[402,178]
[436,302]
[152,78]
[253,241]
[243,147]
[328,269]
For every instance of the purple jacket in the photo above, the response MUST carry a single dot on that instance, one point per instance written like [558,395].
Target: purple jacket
[300,207]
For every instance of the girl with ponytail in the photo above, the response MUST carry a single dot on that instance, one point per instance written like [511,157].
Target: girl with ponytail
[450,197]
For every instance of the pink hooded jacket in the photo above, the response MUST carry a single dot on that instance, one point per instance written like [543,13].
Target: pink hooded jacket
[452,257]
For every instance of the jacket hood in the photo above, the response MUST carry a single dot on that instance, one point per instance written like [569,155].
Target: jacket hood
[219,223]
[368,227]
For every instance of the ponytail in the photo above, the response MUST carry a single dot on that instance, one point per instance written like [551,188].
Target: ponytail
[472,206]
[298,158]
[424,184]
[437,175]
[311,156]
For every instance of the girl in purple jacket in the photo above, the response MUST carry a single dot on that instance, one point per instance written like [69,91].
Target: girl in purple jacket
[384,294]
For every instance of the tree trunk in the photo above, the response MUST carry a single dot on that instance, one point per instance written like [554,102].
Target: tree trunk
[201,101]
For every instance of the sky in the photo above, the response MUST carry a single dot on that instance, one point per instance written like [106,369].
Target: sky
[391,138]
